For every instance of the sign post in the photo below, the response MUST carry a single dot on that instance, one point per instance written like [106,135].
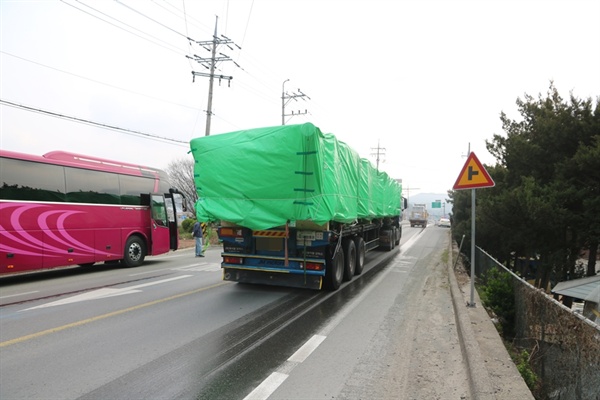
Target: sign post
[472,176]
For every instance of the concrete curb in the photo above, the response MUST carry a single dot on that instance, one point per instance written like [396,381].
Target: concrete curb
[479,379]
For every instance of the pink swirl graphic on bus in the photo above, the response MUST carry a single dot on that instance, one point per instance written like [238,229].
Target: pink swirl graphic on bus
[29,229]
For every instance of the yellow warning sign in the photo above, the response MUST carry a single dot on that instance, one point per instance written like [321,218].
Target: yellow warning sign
[473,175]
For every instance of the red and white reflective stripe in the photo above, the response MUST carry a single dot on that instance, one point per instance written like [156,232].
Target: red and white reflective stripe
[269,233]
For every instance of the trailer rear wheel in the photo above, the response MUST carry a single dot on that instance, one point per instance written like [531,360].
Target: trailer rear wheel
[335,271]
[349,258]
[361,250]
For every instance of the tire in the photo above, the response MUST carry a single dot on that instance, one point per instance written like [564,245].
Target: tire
[398,235]
[135,252]
[390,234]
[361,251]
[335,271]
[349,258]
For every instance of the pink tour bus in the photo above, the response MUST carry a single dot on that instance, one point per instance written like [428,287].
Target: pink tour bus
[64,209]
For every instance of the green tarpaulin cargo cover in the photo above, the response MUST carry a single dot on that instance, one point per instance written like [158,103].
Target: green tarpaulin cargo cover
[261,178]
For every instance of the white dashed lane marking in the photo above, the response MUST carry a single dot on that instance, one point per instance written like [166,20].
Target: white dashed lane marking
[202,267]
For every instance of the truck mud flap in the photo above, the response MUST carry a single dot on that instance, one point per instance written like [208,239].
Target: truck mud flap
[273,278]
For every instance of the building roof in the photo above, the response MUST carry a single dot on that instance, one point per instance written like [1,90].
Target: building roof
[587,288]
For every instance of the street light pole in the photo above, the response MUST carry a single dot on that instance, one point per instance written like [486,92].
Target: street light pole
[283,102]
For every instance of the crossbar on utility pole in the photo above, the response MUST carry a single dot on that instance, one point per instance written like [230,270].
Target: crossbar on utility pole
[379,151]
[210,64]
[285,99]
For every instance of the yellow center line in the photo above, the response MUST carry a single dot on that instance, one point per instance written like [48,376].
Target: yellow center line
[104,316]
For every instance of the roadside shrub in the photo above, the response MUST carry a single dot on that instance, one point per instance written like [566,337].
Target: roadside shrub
[500,298]
[524,368]
[187,225]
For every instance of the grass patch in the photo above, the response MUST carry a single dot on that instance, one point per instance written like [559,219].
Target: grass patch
[446,256]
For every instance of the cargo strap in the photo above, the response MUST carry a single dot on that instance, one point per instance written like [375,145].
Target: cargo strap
[287,236]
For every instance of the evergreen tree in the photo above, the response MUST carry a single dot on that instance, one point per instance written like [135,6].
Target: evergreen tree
[546,202]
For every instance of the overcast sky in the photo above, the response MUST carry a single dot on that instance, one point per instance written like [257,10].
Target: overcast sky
[420,79]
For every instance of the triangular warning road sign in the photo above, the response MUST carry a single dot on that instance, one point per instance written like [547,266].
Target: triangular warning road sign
[473,175]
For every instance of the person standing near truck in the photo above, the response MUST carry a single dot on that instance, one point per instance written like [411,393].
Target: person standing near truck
[198,234]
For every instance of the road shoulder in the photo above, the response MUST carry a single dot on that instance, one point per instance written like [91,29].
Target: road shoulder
[494,374]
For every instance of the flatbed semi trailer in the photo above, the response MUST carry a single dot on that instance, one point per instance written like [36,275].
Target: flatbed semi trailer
[295,207]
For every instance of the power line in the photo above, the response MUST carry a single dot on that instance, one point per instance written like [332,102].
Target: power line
[151,19]
[248,88]
[120,27]
[258,86]
[199,24]
[99,82]
[187,19]
[247,23]
[169,11]
[92,123]
[186,31]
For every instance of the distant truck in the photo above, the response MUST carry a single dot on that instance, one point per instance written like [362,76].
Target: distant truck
[418,215]
[295,207]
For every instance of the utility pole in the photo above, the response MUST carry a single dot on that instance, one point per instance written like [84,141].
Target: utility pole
[468,152]
[379,151]
[210,64]
[285,99]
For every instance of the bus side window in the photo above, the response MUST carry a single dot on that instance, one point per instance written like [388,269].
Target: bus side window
[25,180]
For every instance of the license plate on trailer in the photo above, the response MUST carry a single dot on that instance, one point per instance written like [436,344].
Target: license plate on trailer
[307,235]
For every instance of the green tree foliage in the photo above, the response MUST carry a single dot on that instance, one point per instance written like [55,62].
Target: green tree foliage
[546,202]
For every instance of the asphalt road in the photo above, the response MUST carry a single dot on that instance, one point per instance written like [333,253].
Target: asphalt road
[173,329]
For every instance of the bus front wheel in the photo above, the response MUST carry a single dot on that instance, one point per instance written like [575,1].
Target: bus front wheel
[135,252]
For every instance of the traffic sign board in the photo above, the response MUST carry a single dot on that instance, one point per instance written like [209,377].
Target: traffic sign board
[473,175]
